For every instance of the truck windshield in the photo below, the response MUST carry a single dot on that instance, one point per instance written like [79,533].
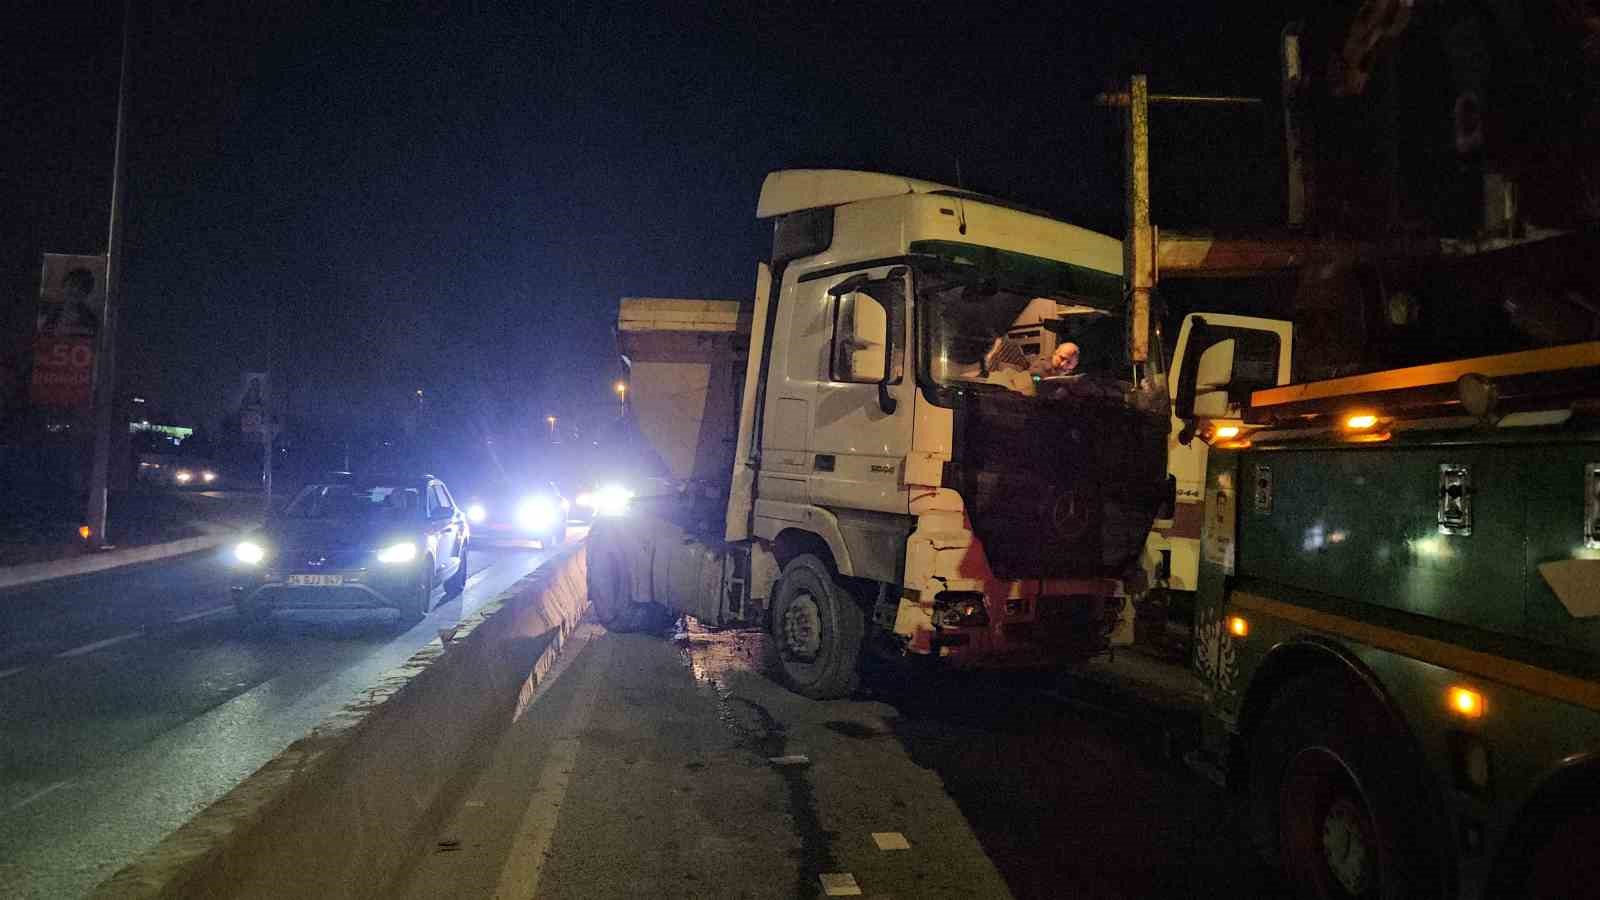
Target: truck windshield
[979,331]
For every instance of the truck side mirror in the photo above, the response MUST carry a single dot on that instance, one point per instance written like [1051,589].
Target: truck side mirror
[1188,376]
[1214,374]
[860,340]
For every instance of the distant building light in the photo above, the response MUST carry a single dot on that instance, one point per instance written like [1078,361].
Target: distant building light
[138,399]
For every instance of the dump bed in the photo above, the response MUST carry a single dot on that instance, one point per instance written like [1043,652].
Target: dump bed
[687,364]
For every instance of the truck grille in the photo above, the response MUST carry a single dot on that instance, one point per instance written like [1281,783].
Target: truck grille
[1058,490]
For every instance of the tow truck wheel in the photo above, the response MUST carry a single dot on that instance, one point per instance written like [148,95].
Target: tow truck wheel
[1332,793]
[817,630]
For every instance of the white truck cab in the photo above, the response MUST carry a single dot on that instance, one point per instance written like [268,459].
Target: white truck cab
[909,464]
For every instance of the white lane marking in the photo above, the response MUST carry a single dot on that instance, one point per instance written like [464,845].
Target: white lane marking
[890,840]
[519,877]
[99,645]
[203,613]
[12,671]
[42,792]
[839,884]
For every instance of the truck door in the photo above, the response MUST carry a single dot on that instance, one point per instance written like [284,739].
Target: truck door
[861,419]
[1261,358]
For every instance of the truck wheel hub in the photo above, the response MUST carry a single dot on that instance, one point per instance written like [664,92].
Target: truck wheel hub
[802,627]
[1344,845]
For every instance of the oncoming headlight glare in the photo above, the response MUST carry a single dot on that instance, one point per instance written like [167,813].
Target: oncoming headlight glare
[249,552]
[537,513]
[476,513]
[612,500]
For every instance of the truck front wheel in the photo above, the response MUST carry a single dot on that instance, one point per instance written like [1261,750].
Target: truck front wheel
[1334,795]
[817,630]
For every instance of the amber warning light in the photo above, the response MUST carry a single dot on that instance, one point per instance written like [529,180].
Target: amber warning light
[1238,627]
[1465,702]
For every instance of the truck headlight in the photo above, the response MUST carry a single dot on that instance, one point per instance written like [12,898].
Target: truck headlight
[403,552]
[249,552]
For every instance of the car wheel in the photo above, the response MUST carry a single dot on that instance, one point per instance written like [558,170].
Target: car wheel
[458,582]
[817,629]
[420,596]
[254,615]
[1333,794]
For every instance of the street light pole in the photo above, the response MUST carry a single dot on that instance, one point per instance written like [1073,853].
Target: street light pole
[105,371]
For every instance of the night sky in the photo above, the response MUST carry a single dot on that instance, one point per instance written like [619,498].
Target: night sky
[378,198]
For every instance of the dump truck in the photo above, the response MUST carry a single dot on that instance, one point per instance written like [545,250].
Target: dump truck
[880,453]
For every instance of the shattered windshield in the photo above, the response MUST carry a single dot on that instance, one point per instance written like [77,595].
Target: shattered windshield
[978,330]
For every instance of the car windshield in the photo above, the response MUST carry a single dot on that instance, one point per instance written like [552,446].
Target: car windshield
[392,502]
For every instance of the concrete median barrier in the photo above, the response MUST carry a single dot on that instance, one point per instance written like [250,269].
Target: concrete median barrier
[343,810]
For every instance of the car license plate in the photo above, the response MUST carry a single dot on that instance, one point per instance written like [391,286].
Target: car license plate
[316,580]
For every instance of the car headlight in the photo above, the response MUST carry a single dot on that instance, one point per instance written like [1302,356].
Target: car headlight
[612,500]
[476,513]
[586,500]
[249,552]
[537,513]
[184,476]
[208,476]
[403,552]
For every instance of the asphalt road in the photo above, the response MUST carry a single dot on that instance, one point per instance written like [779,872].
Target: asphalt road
[131,699]
[649,767]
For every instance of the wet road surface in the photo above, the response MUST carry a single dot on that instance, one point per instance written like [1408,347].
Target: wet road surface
[650,767]
[131,699]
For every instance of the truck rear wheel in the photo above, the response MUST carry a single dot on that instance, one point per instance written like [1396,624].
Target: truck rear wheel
[1335,798]
[610,584]
[817,630]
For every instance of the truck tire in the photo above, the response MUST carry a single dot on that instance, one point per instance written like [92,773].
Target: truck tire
[610,582]
[817,629]
[1335,797]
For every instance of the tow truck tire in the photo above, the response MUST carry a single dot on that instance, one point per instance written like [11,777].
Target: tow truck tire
[457,582]
[1335,798]
[817,630]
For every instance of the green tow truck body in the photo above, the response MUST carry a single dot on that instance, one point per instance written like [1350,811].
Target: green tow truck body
[1408,566]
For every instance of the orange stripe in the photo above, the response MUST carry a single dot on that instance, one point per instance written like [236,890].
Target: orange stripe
[1551,359]
[1522,676]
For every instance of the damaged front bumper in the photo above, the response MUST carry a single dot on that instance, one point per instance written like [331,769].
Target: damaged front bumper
[953,606]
